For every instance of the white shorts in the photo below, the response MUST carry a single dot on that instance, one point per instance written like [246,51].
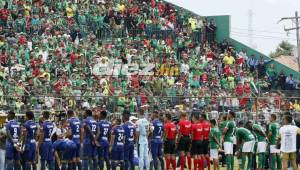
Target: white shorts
[228,148]
[273,149]
[248,146]
[261,147]
[214,154]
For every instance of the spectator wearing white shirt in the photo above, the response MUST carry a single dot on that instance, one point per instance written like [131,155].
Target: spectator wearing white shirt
[184,68]
[49,101]
[288,135]
[243,54]
[44,54]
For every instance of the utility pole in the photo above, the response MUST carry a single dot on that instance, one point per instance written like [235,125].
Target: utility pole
[297,28]
[250,27]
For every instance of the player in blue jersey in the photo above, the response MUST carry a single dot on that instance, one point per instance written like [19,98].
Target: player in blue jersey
[157,128]
[117,145]
[64,150]
[103,139]
[75,131]
[90,143]
[29,144]
[12,145]
[130,131]
[45,144]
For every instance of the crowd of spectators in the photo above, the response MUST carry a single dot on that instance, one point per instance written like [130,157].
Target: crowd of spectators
[54,53]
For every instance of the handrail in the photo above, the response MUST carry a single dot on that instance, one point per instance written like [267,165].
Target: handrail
[112,96]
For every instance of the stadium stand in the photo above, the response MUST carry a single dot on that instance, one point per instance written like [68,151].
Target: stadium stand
[127,54]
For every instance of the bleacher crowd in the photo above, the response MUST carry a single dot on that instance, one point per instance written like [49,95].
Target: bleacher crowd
[54,52]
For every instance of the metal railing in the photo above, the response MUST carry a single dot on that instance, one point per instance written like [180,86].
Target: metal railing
[117,104]
[104,31]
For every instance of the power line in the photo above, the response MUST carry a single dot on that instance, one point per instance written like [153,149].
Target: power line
[243,34]
[263,35]
[265,38]
[266,31]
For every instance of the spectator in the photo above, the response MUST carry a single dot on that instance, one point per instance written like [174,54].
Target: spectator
[228,59]
[80,53]
[252,63]
[261,67]
[290,82]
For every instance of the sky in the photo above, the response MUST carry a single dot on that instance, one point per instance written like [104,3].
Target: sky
[267,32]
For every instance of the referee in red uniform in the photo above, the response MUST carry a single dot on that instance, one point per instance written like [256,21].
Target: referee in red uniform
[205,144]
[197,136]
[169,144]
[184,138]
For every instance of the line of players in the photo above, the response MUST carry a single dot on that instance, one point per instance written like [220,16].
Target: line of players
[112,143]
[102,141]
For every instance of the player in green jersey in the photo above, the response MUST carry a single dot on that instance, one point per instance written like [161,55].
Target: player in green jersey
[227,137]
[246,140]
[261,138]
[214,143]
[273,138]
[222,123]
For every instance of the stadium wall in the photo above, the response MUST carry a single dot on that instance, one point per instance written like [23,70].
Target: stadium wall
[223,32]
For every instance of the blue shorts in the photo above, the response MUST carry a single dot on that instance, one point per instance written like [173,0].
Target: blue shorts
[10,152]
[156,149]
[29,153]
[89,150]
[76,151]
[103,151]
[47,151]
[129,152]
[117,155]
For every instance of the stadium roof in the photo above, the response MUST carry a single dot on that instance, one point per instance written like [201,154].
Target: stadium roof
[289,61]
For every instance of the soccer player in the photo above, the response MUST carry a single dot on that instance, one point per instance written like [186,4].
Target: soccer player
[45,143]
[157,129]
[29,136]
[64,150]
[261,142]
[12,146]
[75,131]
[288,139]
[130,132]
[222,123]
[197,141]
[90,143]
[117,145]
[227,137]
[214,143]
[169,145]
[273,139]
[184,140]
[205,142]
[245,140]
[143,129]
[104,140]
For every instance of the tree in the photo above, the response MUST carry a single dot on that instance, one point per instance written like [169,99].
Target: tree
[284,48]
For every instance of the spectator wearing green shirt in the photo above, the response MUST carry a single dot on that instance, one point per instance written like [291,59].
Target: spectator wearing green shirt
[214,143]
[246,140]
[228,139]
[261,139]
[273,138]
